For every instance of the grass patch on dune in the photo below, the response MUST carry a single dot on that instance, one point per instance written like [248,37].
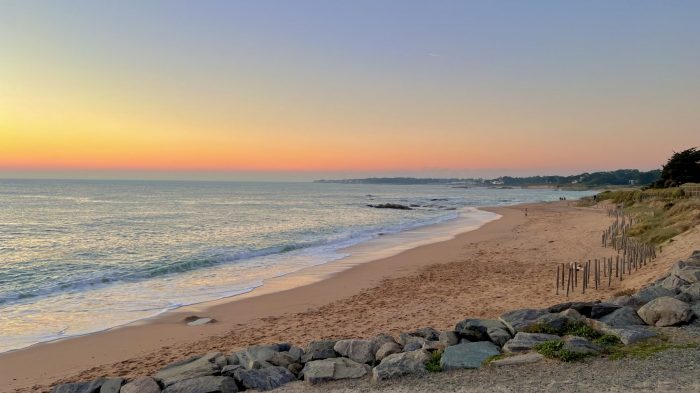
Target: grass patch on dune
[661,214]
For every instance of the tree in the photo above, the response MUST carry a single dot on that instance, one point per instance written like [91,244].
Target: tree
[682,167]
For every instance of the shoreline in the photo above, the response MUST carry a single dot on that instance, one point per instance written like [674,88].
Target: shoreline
[496,267]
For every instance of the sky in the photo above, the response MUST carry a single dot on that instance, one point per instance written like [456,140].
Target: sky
[321,89]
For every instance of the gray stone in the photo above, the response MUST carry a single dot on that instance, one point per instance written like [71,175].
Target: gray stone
[382,339]
[283,359]
[550,323]
[517,320]
[648,294]
[625,301]
[387,349]
[684,297]
[230,370]
[483,330]
[449,338]
[695,308]
[79,387]
[583,308]
[673,282]
[295,368]
[199,367]
[693,291]
[141,385]
[580,345]
[624,316]
[361,351]
[408,338]
[573,315]
[112,385]
[414,346]
[265,378]
[221,361]
[297,353]
[531,357]
[200,321]
[688,271]
[600,310]
[627,335]
[258,356]
[468,355]
[318,350]
[665,311]
[208,384]
[400,364]
[427,333]
[527,341]
[333,369]
[432,346]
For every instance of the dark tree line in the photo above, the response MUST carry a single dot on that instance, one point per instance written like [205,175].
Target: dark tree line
[682,167]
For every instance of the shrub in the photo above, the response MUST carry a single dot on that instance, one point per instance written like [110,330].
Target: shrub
[554,349]
[433,364]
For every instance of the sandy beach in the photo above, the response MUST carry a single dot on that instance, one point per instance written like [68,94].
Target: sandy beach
[506,264]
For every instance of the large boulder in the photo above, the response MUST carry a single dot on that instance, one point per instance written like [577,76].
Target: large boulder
[427,333]
[526,341]
[665,311]
[265,378]
[112,385]
[581,346]
[692,291]
[79,387]
[400,364]
[583,308]
[550,323]
[648,294]
[260,356]
[333,369]
[361,351]
[387,349]
[483,330]
[688,270]
[283,359]
[468,355]
[141,385]
[673,283]
[191,368]
[518,320]
[573,315]
[204,385]
[624,316]
[627,334]
[318,350]
[695,308]
[448,338]
[382,339]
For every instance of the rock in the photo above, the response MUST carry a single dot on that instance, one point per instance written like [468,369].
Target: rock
[483,330]
[382,339]
[230,370]
[469,355]
[79,387]
[549,323]
[684,297]
[688,271]
[648,294]
[693,291]
[112,385]
[199,367]
[283,359]
[413,346]
[333,369]
[361,351]
[318,350]
[141,385]
[517,320]
[625,301]
[627,335]
[204,385]
[295,368]
[221,361]
[583,308]
[391,206]
[673,283]
[581,346]
[400,364]
[624,316]
[531,357]
[387,349]
[265,378]
[408,338]
[695,308]
[527,341]
[427,333]
[573,315]
[200,321]
[258,356]
[448,338]
[432,346]
[665,311]
[602,309]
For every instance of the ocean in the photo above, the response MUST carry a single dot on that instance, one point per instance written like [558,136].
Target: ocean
[78,257]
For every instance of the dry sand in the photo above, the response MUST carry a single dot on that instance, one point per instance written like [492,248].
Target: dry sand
[507,264]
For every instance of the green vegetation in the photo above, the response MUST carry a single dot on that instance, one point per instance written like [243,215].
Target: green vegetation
[579,329]
[647,348]
[660,214]
[608,341]
[433,364]
[554,349]
[682,167]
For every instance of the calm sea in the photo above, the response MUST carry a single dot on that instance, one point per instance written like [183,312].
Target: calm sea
[82,256]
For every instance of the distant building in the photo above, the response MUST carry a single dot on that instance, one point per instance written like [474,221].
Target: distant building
[633,182]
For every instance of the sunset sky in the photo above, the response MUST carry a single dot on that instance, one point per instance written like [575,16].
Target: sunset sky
[346,88]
